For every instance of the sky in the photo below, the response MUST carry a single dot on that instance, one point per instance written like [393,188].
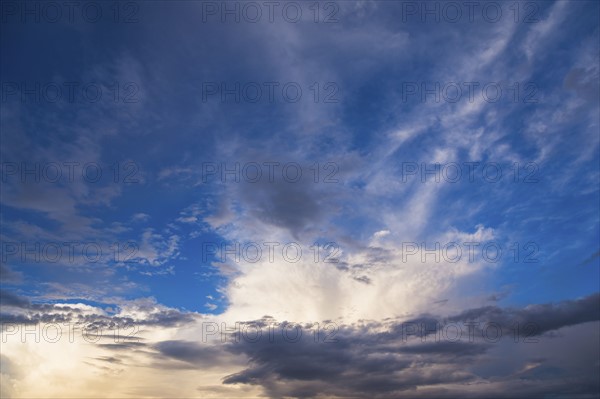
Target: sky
[304,199]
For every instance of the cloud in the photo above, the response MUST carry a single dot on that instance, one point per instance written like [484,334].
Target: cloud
[142,312]
[192,353]
[389,312]
[7,298]
[140,217]
[411,358]
[543,318]
[394,358]
[10,276]
[155,249]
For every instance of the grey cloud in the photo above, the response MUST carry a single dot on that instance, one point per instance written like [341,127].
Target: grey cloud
[10,276]
[447,348]
[391,363]
[285,204]
[373,359]
[543,318]
[7,298]
[110,359]
[363,279]
[124,346]
[191,352]
[21,310]
[585,82]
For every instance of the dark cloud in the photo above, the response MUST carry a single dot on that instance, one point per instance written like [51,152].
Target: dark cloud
[191,352]
[293,205]
[360,363]
[447,348]
[393,359]
[7,298]
[539,318]
[10,276]
[363,279]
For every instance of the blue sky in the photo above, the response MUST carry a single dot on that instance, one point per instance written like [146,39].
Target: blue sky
[165,119]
